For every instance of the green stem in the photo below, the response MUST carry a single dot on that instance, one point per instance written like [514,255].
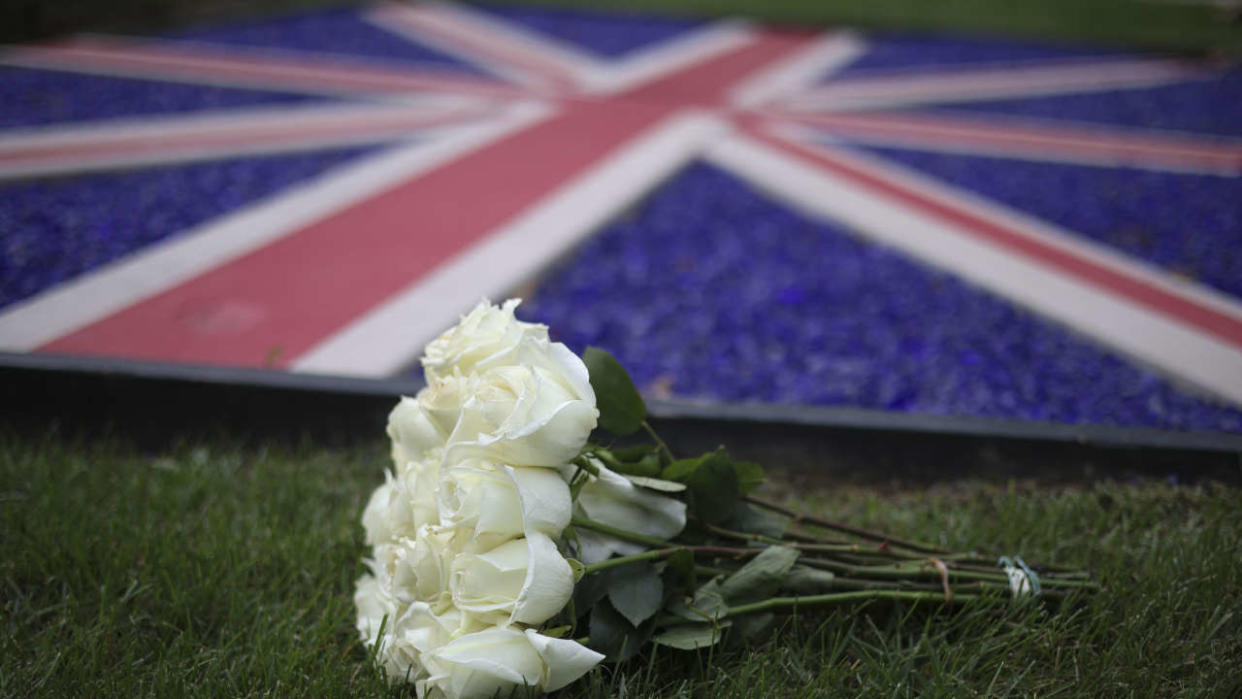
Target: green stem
[841,527]
[583,462]
[633,558]
[618,533]
[657,554]
[744,536]
[926,571]
[860,550]
[668,454]
[935,586]
[782,603]
[809,538]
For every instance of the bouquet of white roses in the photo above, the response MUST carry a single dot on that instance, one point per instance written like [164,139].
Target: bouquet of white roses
[502,532]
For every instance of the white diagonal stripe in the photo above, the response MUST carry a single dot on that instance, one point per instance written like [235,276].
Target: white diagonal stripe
[663,58]
[826,55]
[244,67]
[504,48]
[40,319]
[91,146]
[1033,139]
[1176,349]
[389,337]
[972,85]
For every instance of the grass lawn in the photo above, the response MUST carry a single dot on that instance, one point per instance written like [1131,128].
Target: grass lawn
[1146,23]
[225,570]
[1159,24]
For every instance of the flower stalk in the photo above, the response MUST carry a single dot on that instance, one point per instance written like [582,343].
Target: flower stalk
[793,603]
[659,554]
[915,546]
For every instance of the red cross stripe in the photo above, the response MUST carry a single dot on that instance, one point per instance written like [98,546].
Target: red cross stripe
[374,252]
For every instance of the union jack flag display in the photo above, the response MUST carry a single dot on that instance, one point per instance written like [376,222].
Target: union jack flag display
[740,213]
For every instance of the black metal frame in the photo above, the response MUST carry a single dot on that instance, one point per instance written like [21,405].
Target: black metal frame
[153,402]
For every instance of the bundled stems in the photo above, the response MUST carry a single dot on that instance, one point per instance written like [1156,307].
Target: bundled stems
[862,566]
[622,534]
[844,528]
[891,574]
[657,554]
[792,603]
[927,571]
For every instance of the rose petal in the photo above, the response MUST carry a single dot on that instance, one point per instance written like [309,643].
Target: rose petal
[566,660]
[491,661]
[546,503]
[412,432]
[612,499]
[549,582]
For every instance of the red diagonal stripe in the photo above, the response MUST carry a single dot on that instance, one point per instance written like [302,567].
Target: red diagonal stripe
[197,63]
[226,138]
[1006,135]
[275,303]
[1134,289]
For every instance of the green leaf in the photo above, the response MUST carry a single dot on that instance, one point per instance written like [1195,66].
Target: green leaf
[590,590]
[707,605]
[681,564]
[636,591]
[612,635]
[621,409]
[691,636]
[749,476]
[713,488]
[712,482]
[639,461]
[761,577]
[635,453]
[681,469]
[753,520]
[648,466]
[805,580]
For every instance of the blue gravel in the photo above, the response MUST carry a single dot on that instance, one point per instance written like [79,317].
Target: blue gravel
[1188,224]
[53,230]
[613,34]
[1200,106]
[719,293]
[36,97]
[338,31]
[926,52]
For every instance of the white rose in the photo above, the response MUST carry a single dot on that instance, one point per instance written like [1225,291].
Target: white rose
[486,337]
[373,603]
[416,569]
[524,580]
[499,502]
[410,640]
[388,513]
[404,502]
[412,432]
[537,414]
[614,500]
[495,661]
